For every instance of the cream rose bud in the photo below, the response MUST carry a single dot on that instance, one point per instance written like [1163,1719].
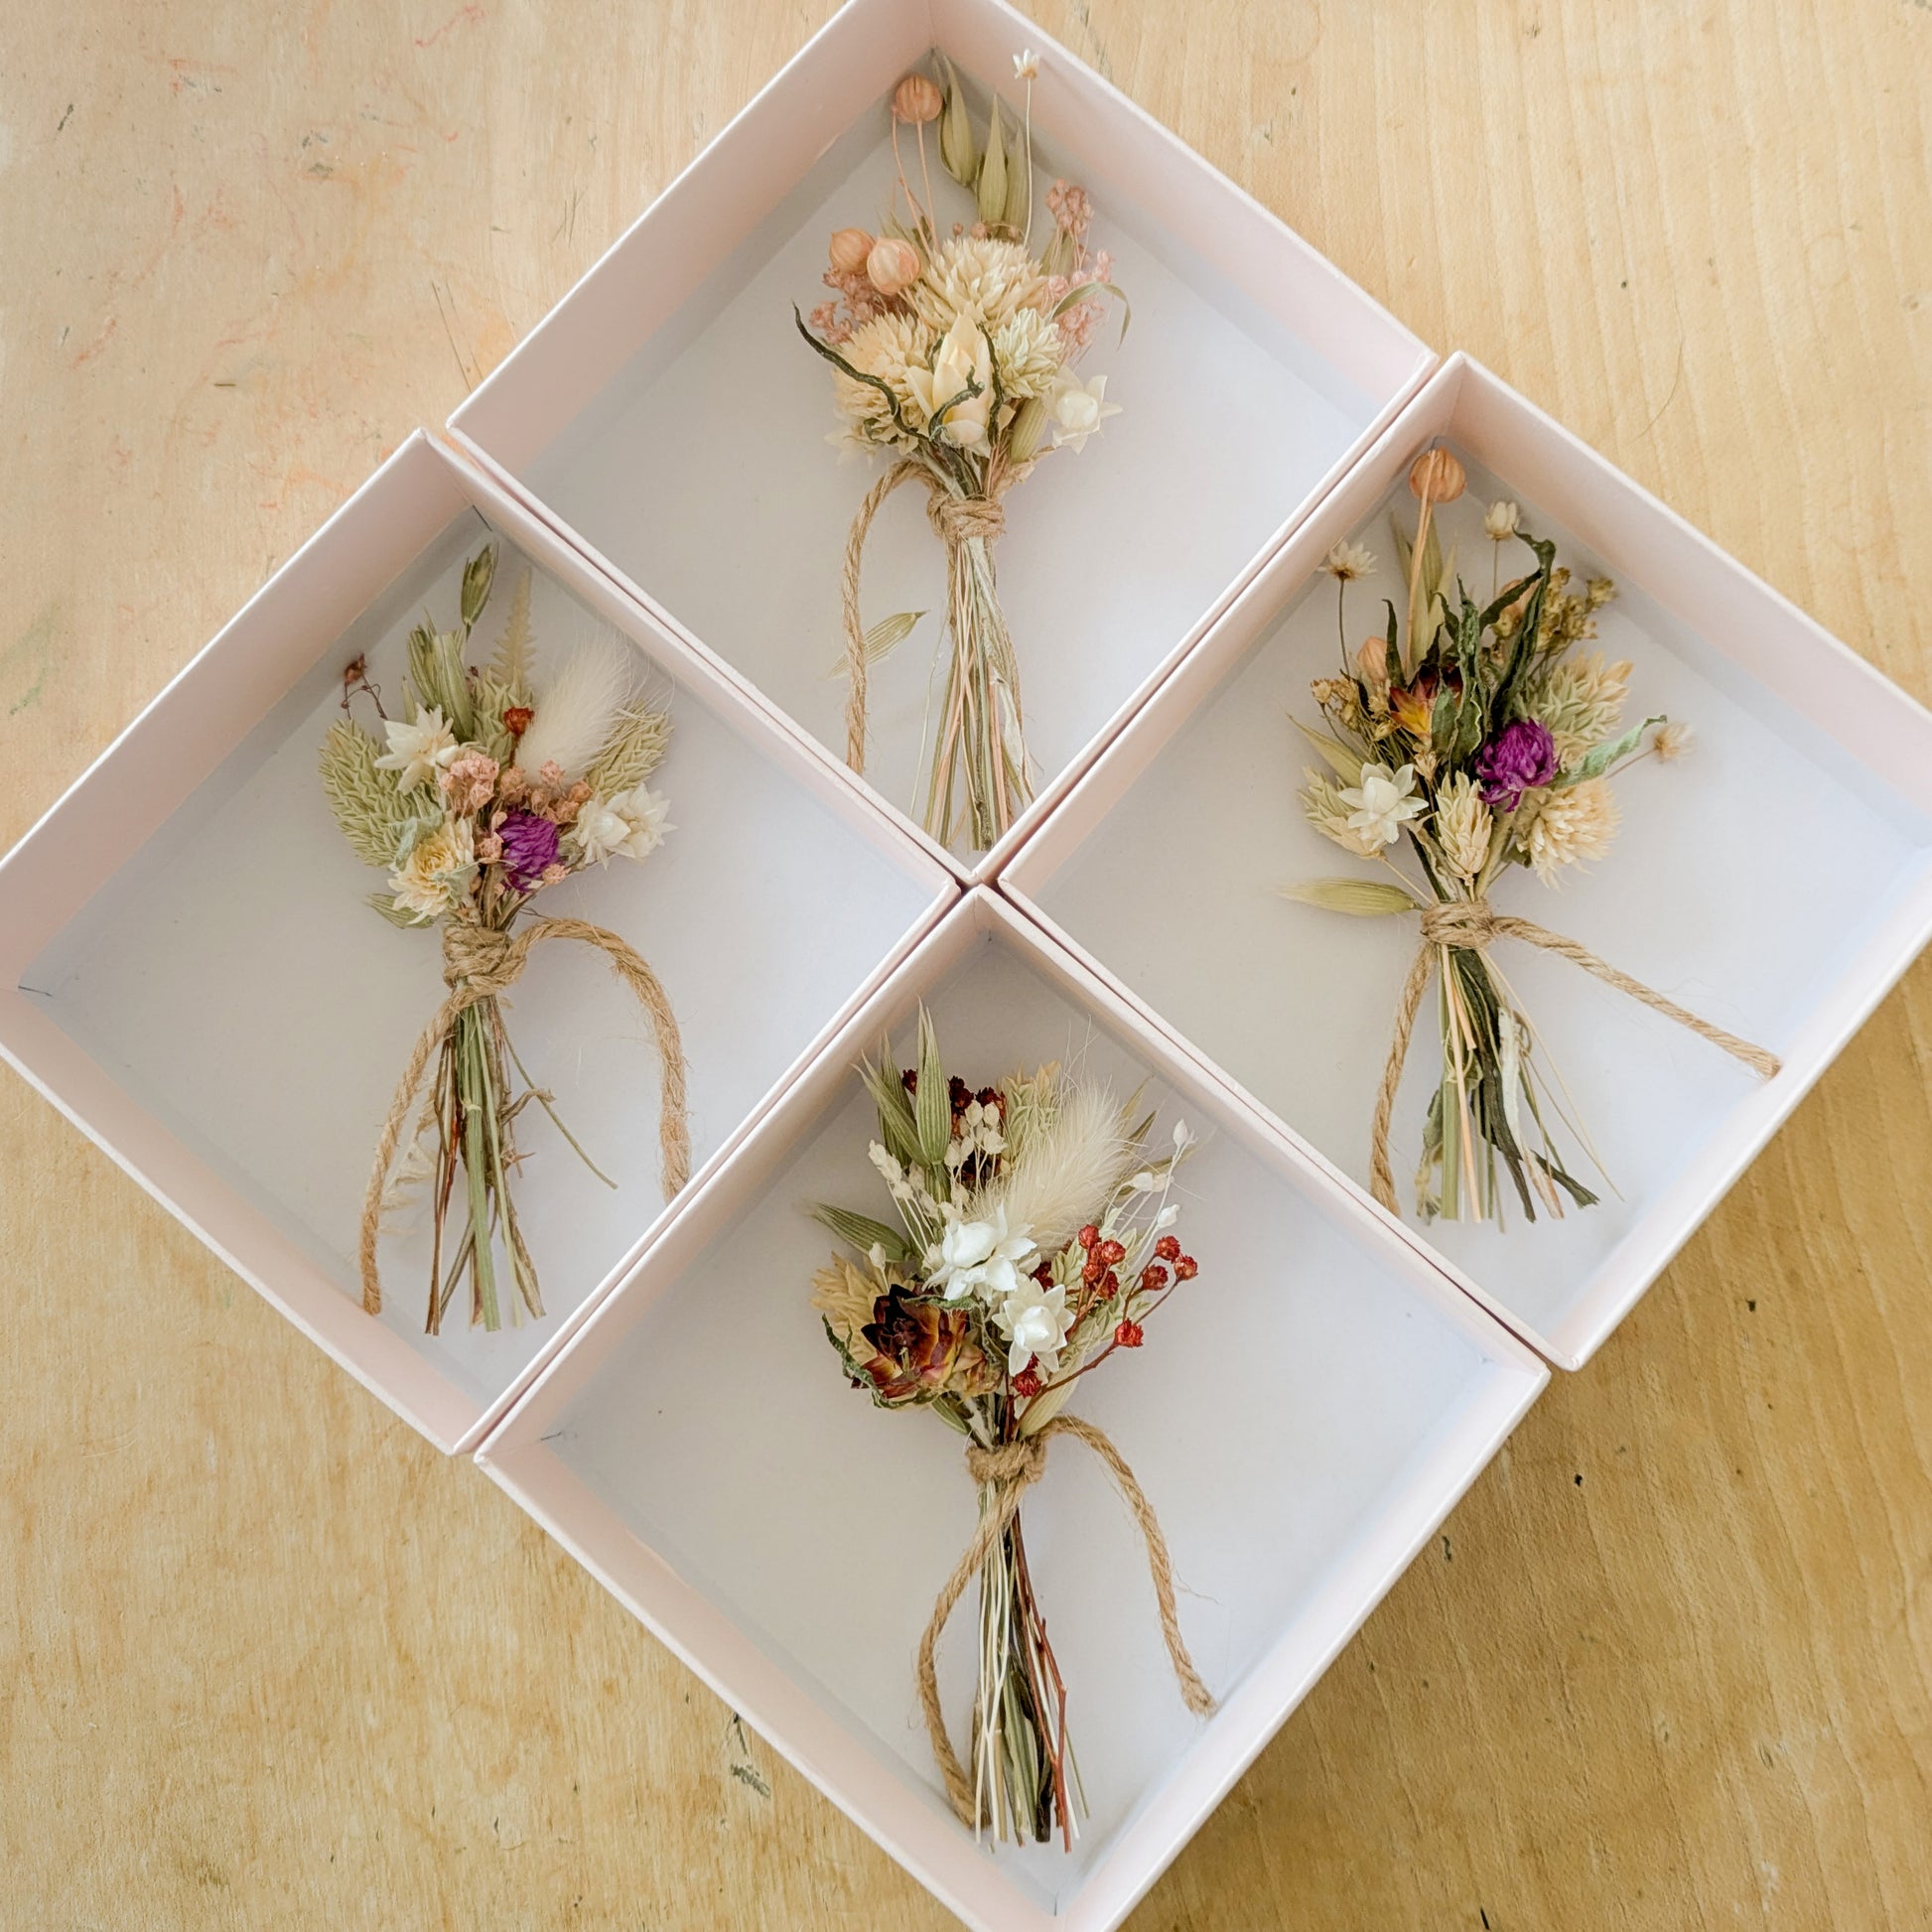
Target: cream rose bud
[893,265]
[960,383]
[851,250]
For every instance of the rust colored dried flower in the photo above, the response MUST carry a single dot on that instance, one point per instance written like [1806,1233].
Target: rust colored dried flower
[1112,1253]
[917,100]
[919,1344]
[516,720]
[1153,1278]
[1129,1335]
[1167,1248]
[1185,1268]
[1027,1382]
[1436,475]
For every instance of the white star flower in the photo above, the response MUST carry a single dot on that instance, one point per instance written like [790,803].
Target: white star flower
[1382,802]
[986,1256]
[1035,1320]
[418,750]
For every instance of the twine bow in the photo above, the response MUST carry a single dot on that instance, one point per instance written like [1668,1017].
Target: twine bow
[1009,1472]
[479,963]
[1469,925]
[956,522]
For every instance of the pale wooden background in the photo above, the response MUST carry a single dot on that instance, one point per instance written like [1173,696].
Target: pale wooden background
[266,1658]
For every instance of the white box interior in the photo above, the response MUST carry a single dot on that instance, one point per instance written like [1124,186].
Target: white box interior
[1299,1418]
[700,467]
[233,983]
[1761,882]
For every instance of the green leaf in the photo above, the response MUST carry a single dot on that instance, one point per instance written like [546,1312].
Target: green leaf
[957,148]
[1362,899]
[1074,297]
[1602,757]
[861,1231]
[932,1102]
[896,1124]
[992,171]
[1338,757]
[477,574]
[839,363]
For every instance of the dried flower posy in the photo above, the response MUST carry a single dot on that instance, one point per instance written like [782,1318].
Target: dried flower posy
[1034,1241]
[493,785]
[1480,738]
[958,352]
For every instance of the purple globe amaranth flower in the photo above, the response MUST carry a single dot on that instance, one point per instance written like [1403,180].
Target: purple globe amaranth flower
[529,845]
[1519,757]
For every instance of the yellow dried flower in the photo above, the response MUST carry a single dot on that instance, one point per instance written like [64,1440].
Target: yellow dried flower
[889,347]
[1027,350]
[1463,825]
[1573,826]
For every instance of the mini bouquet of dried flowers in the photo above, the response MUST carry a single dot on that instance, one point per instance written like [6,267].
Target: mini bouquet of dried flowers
[493,785]
[1034,1241]
[1482,738]
[957,352]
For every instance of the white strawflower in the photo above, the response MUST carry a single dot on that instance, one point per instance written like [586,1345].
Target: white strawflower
[1079,408]
[1035,1322]
[629,825]
[418,750]
[1348,561]
[1382,802]
[1322,802]
[1574,825]
[436,870]
[984,1255]
[1673,740]
[1463,825]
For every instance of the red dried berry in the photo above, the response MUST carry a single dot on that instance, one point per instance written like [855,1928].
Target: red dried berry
[1027,1382]
[1091,1272]
[1167,1248]
[1153,1278]
[1089,1235]
[1043,1274]
[1187,1268]
[1109,1286]
[1129,1335]
[1112,1253]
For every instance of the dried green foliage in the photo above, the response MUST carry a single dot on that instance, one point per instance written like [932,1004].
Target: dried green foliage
[632,752]
[366,803]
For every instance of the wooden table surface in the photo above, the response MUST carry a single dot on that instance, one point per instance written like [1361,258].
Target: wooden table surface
[267,1659]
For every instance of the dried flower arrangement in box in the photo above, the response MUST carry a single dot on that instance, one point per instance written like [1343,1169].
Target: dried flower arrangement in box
[956,352]
[493,784]
[1482,738]
[1033,1242]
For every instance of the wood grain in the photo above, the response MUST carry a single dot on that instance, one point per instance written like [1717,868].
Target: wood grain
[265,1659]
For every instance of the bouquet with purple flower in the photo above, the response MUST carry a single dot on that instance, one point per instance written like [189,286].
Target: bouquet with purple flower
[1477,737]
[492,785]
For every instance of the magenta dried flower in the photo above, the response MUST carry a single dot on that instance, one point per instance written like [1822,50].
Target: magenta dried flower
[529,848]
[1519,759]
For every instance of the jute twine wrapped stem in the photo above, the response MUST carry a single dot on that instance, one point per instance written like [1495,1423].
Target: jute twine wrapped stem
[1469,925]
[479,963]
[1007,1473]
[983,656]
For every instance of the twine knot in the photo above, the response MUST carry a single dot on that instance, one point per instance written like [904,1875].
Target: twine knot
[1014,1466]
[478,958]
[957,519]
[1466,923]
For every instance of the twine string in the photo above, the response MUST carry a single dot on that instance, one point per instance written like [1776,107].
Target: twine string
[956,522]
[481,963]
[1469,925]
[1008,1473]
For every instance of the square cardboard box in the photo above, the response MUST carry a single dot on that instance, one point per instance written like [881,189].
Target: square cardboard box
[669,419]
[1301,1419]
[190,970]
[1775,882]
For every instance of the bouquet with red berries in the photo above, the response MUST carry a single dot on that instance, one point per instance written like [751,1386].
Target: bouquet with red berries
[1033,1241]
